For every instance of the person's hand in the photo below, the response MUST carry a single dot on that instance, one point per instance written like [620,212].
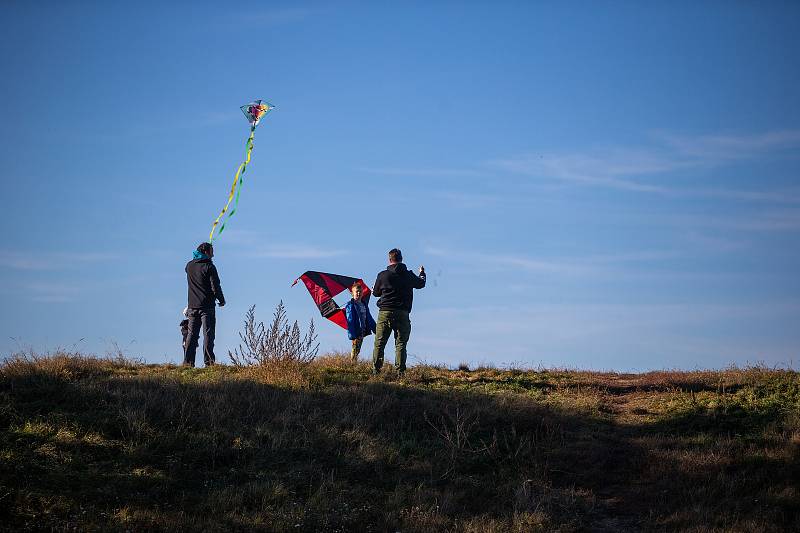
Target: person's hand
[222,304]
[421,269]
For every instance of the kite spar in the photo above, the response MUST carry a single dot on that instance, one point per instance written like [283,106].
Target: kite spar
[254,111]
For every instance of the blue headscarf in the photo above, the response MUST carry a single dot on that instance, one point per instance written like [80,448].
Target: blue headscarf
[199,255]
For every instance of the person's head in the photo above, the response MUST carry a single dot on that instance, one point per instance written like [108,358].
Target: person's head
[206,248]
[395,256]
[355,290]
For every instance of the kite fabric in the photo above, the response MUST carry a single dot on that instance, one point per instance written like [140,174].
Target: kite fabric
[254,111]
[323,287]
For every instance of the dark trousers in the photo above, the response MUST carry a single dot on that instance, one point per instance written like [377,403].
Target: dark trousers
[399,323]
[208,319]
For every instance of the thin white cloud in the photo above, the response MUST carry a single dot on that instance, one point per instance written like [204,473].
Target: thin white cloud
[51,260]
[426,172]
[243,237]
[579,169]
[296,251]
[570,266]
[610,314]
[44,292]
[210,118]
[506,261]
[789,196]
[631,257]
[772,220]
[248,243]
[716,244]
[785,219]
[610,168]
[272,17]
[561,323]
[636,169]
[636,336]
[717,148]
[463,200]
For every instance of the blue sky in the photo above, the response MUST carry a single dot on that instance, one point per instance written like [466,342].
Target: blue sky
[605,187]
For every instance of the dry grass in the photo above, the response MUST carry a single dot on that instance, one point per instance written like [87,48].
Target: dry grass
[93,444]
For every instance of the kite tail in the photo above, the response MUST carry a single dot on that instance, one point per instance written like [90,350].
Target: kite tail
[236,187]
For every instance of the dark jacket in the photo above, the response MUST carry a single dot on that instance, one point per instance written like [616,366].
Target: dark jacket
[395,286]
[355,327]
[204,285]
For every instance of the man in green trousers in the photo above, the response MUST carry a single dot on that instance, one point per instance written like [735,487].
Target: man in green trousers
[395,287]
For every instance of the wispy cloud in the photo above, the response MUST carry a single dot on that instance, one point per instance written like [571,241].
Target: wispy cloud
[788,196]
[570,266]
[635,336]
[642,314]
[610,168]
[251,244]
[717,148]
[210,118]
[274,16]
[51,260]
[506,260]
[419,171]
[631,168]
[638,169]
[243,237]
[785,219]
[45,292]
[464,200]
[715,244]
[769,220]
[295,251]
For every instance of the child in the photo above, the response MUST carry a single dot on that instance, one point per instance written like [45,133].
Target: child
[359,322]
[185,327]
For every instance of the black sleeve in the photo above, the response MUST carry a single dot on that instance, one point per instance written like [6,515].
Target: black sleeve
[216,288]
[417,282]
[377,290]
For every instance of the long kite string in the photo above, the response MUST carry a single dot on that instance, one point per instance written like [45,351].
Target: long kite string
[236,187]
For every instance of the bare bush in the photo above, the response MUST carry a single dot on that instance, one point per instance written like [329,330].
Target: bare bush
[456,430]
[278,343]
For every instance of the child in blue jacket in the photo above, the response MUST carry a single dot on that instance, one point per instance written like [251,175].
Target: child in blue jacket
[359,321]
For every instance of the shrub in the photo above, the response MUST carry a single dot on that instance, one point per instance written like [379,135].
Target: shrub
[278,343]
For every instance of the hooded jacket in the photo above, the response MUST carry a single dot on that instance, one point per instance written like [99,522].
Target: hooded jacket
[395,286]
[204,286]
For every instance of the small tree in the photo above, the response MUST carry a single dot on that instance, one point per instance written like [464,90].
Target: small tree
[277,343]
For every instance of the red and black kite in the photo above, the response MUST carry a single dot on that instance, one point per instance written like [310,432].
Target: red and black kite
[323,287]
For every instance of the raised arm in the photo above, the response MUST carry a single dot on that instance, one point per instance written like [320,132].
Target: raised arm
[418,282]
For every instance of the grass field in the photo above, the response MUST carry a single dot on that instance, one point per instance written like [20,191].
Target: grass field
[89,444]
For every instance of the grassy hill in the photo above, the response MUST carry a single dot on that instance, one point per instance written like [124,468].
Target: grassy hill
[89,444]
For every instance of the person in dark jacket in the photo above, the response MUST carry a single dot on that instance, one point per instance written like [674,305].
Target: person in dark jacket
[395,287]
[204,292]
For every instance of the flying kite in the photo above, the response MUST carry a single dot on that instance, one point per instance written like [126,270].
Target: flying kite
[254,111]
[323,287]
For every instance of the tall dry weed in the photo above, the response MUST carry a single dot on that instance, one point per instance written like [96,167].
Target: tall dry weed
[277,343]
